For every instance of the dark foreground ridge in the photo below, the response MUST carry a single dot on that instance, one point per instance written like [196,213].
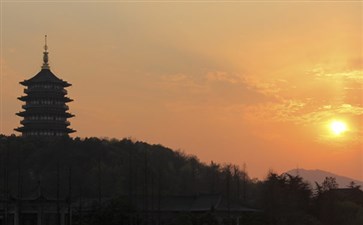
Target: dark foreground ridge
[59,180]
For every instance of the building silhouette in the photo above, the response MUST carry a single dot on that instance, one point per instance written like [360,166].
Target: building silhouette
[45,109]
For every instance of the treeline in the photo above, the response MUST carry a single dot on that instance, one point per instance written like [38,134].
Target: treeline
[94,168]
[100,168]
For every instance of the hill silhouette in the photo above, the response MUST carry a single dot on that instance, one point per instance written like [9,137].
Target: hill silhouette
[99,168]
[313,176]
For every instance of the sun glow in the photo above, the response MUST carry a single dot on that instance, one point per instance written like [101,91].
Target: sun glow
[338,127]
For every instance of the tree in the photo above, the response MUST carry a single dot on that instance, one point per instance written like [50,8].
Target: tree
[286,199]
[353,185]
[329,183]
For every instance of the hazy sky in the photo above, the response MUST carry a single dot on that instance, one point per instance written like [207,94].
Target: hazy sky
[240,82]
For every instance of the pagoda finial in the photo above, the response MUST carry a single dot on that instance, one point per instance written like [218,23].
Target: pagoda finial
[45,55]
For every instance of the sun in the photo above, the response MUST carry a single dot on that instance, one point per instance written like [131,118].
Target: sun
[338,127]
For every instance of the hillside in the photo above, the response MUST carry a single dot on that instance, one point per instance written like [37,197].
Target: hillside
[313,176]
[96,168]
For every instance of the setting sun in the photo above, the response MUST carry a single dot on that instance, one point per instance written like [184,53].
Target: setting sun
[338,127]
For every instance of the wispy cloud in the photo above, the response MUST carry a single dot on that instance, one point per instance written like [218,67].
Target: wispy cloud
[309,105]
[349,75]
[220,88]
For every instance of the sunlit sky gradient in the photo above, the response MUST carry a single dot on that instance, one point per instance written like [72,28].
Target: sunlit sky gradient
[241,82]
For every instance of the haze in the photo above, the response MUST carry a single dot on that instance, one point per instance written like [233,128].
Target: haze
[238,82]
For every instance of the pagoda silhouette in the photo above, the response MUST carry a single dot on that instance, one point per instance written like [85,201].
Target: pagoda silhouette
[45,109]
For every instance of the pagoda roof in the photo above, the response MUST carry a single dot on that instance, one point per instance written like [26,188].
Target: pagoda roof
[42,127]
[29,97]
[45,76]
[42,112]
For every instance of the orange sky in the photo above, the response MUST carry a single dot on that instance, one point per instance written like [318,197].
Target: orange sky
[229,82]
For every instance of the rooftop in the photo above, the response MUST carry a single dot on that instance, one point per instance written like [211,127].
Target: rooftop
[45,76]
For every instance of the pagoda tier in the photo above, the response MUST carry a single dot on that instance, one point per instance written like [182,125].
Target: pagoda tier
[40,113]
[44,98]
[45,110]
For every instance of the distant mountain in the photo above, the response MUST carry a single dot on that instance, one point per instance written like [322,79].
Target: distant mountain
[313,176]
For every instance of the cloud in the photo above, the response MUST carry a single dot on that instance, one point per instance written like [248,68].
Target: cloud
[220,88]
[218,76]
[352,75]
[300,112]
[309,103]
[350,82]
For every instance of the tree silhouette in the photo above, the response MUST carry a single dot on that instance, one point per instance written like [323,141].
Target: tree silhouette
[329,183]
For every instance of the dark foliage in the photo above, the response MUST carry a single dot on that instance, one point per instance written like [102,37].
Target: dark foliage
[123,170]
[100,168]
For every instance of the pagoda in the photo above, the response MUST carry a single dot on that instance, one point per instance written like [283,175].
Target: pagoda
[45,110]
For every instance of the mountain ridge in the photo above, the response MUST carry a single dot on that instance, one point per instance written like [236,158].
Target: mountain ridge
[317,175]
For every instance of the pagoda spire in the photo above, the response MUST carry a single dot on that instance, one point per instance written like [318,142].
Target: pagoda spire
[45,55]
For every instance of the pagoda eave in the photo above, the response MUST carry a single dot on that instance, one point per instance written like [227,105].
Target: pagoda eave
[29,113]
[25,129]
[27,97]
[19,129]
[69,130]
[30,82]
